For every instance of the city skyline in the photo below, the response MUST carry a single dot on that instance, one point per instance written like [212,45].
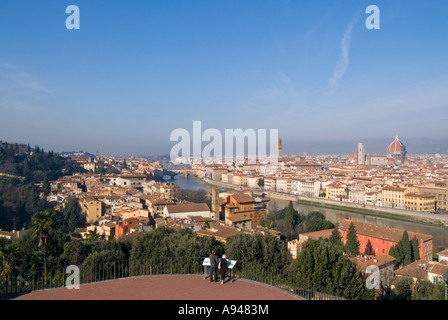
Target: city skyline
[134,73]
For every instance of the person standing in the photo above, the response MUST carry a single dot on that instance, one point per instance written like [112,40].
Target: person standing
[223,268]
[213,267]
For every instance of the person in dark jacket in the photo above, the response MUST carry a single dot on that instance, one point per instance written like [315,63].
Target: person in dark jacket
[213,267]
[223,268]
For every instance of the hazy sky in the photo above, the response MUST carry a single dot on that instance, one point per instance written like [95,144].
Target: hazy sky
[136,70]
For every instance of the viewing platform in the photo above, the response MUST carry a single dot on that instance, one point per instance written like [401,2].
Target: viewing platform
[165,287]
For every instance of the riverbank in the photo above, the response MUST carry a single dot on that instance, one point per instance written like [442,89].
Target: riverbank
[391,213]
[397,214]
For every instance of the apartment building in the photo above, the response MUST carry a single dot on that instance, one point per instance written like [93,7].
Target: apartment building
[419,201]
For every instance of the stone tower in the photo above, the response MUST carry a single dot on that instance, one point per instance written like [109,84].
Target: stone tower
[215,203]
[279,148]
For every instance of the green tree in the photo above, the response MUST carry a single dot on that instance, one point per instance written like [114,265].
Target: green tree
[336,239]
[324,263]
[315,221]
[44,222]
[368,250]
[405,251]
[258,249]
[406,248]
[46,185]
[93,236]
[403,289]
[71,216]
[260,182]
[352,245]
[8,256]
[291,215]
[415,251]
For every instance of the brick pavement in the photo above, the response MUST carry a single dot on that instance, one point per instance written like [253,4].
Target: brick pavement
[165,287]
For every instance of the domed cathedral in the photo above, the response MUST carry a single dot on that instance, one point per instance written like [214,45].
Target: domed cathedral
[396,152]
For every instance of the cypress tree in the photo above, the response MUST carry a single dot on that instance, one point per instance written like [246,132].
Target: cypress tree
[291,218]
[352,246]
[415,251]
[406,247]
[369,250]
[336,238]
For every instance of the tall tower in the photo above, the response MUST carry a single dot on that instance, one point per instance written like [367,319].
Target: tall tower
[215,203]
[279,149]
[361,153]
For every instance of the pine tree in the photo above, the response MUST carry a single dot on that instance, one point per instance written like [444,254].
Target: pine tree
[352,246]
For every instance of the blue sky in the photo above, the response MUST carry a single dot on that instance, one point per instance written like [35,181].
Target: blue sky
[136,70]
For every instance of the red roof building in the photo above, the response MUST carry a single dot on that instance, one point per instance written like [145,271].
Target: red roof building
[384,238]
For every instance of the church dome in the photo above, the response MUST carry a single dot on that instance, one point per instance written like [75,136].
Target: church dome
[396,147]
[396,151]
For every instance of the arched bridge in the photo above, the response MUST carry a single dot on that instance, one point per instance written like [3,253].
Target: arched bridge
[174,172]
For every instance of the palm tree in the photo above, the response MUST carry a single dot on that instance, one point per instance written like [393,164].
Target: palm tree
[8,260]
[43,222]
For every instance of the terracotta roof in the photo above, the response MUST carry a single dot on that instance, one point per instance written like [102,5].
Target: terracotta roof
[242,198]
[380,232]
[394,189]
[316,235]
[419,195]
[438,268]
[187,207]
[364,261]
[395,146]
[219,231]
[415,270]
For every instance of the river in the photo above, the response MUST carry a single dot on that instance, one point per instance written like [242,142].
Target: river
[439,233]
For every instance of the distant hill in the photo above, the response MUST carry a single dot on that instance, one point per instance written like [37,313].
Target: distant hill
[77,154]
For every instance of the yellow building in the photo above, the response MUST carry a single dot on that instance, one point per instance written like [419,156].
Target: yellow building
[394,197]
[293,248]
[439,192]
[240,179]
[335,191]
[418,201]
[91,208]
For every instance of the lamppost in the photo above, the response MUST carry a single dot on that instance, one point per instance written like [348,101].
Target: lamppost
[445,278]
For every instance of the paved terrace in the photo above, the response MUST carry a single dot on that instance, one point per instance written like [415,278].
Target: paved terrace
[165,287]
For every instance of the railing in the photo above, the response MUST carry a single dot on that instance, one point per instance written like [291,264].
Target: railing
[290,281]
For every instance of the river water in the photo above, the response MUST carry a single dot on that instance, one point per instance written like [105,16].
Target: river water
[440,234]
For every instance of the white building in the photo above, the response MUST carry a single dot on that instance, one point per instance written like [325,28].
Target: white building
[282,185]
[307,188]
[188,210]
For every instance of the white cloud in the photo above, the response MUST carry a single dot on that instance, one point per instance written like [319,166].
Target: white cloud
[342,65]
[20,90]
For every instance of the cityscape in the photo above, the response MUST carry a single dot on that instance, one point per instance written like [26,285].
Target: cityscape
[337,193]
